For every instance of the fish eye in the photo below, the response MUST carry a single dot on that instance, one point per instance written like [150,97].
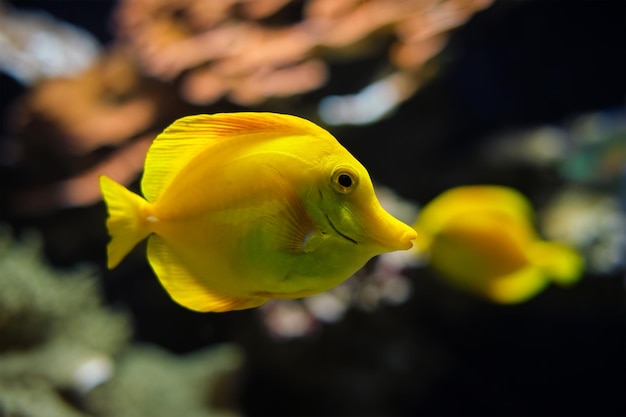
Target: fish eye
[344,180]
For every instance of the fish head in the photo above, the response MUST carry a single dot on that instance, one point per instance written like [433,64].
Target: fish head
[349,209]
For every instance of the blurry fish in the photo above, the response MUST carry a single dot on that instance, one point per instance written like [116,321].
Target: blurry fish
[481,239]
[244,207]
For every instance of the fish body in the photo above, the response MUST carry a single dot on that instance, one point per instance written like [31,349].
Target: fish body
[481,239]
[243,207]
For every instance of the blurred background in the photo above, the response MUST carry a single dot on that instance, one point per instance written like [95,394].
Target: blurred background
[427,94]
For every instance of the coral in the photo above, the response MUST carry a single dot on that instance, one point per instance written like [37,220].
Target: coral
[39,319]
[62,353]
[60,150]
[114,105]
[593,221]
[228,49]
[67,50]
[33,398]
[588,149]
[55,334]
[162,385]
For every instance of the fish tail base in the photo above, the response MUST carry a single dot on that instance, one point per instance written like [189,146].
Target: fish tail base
[127,222]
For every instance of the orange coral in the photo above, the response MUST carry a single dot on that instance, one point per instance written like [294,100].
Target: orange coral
[63,124]
[229,42]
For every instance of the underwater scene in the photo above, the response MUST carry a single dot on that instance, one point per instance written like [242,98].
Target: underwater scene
[312,208]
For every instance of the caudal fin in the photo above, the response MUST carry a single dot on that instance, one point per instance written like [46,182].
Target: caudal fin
[564,265]
[126,223]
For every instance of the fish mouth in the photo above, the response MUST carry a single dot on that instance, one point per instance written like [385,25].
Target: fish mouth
[348,238]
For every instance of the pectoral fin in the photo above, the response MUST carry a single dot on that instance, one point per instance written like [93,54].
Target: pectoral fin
[294,227]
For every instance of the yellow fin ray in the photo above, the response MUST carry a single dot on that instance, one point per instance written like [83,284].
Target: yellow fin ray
[185,288]
[125,222]
[184,139]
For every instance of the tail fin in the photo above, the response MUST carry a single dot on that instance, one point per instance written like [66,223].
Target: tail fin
[126,223]
[560,262]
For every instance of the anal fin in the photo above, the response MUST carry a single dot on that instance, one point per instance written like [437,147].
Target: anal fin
[187,289]
[518,286]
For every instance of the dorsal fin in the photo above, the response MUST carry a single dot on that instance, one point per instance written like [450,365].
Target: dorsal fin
[188,136]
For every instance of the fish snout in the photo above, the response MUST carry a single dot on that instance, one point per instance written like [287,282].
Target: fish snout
[402,240]
[391,234]
[408,237]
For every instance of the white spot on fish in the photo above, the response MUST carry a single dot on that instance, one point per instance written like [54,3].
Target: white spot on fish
[152,219]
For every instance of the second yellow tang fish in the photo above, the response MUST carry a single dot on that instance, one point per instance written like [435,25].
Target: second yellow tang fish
[243,207]
[481,239]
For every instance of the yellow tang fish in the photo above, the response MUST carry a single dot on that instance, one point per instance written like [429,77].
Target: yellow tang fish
[481,239]
[243,207]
